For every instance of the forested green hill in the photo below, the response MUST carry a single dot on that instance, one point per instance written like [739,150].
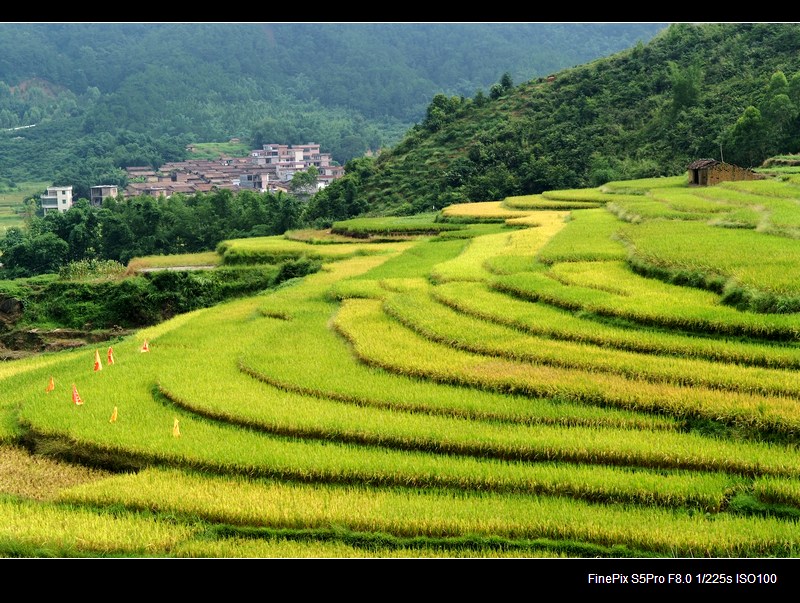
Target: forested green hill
[693,91]
[109,95]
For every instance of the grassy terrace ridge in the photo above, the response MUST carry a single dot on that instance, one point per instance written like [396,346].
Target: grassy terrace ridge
[540,202]
[407,225]
[478,391]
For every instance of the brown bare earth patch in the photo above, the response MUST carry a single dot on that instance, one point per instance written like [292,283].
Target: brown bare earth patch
[40,478]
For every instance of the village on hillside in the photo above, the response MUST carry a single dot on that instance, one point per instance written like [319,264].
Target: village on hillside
[268,169]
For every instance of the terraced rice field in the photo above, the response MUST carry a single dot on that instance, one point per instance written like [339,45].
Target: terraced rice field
[545,387]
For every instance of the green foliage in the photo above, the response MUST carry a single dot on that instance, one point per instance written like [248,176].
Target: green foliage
[685,85]
[141,226]
[341,199]
[645,112]
[83,301]
[137,94]
[91,269]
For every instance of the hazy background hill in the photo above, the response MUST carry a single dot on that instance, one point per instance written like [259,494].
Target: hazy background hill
[105,96]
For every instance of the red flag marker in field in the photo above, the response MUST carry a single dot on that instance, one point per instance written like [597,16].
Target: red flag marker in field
[98,366]
[110,355]
[51,385]
[145,347]
[76,399]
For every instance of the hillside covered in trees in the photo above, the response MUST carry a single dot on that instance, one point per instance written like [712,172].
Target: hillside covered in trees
[694,91]
[106,96]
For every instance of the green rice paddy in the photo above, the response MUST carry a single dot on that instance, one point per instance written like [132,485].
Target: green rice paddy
[585,373]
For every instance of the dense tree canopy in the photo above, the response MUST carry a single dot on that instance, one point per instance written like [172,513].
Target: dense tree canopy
[137,93]
[125,228]
[694,91]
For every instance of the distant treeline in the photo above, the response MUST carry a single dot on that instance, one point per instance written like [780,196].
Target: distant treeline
[122,229]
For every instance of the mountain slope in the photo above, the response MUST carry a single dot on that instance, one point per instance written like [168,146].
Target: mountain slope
[645,111]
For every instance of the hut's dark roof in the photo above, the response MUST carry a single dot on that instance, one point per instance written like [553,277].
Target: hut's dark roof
[700,164]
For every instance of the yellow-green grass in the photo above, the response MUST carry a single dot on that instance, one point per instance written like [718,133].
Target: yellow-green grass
[476,299]
[733,196]
[744,217]
[418,260]
[590,195]
[383,342]
[143,434]
[318,237]
[644,208]
[10,368]
[751,259]
[39,478]
[420,224]
[782,218]
[611,289]
[588,235]
[769,187]
[12,203]
[482,211]
[417,311]
[524,222]
[302,547]
[642,185]
[540,202]
[256,405]
[311,359]
[271,410]
[688,201]
[432,513]
[42,529]
[272,250]
[143,431]
[486,254]
[204,258]
[475,229]
[779,491]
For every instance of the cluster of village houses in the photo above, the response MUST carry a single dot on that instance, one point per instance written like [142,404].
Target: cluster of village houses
[268,169]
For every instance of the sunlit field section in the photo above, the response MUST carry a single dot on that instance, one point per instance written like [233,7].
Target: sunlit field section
[422,224]
[271,250]
[486,391]
[588,235]
[399,350]
[437,322]
[478,300]
[752,269]
[637,530]
[529,202]
[642,185]
[502,252]
[612,289]
[486,211]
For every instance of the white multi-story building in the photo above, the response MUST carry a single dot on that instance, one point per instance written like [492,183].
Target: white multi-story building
[57,198]
[287,160]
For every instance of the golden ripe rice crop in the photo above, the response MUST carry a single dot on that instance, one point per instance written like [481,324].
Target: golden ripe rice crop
[583,373]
